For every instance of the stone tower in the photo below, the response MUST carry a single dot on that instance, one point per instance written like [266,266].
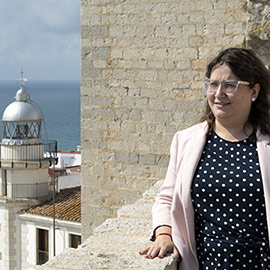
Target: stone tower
[143,67]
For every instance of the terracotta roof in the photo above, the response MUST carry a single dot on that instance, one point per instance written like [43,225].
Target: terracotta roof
[68,152]
[67,206]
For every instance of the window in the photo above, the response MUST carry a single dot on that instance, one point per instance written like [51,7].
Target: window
[42,246]
[74,240]
[4,183]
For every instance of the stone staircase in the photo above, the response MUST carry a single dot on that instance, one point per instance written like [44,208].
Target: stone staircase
[115,243]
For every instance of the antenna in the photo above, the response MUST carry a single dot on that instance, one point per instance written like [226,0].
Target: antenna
[21,73]
[22,83]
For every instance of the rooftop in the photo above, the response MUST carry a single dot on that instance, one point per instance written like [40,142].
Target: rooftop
[67,206]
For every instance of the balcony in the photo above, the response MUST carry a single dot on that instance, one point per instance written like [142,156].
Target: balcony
[28,155]
[30,191]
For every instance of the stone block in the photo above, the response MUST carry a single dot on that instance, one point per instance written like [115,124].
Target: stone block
[99,63]
[107,74]
[100,101]
[215,29]
[135,115]
[119,73]
[221,4]
[204,5]
[147,159]
[92,114]
[175,75]
[126,157]
[162,31]
[168,17]
[116,52]
[96,31]
[108,19]
[95,52]
[234,28]
[189,29]
[164,116]
[115,31]
[163,160]
[95,19]
[91,73]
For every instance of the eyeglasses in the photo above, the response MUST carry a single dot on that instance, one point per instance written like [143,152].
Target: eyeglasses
[229,86]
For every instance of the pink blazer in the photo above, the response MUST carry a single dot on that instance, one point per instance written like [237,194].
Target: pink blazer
[173,204]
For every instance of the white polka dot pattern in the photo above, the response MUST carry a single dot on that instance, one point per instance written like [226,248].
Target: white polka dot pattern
[228,200]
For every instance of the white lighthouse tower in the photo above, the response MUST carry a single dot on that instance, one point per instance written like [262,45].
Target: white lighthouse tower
[24,161]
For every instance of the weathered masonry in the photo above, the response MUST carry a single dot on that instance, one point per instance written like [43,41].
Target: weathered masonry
[143,64]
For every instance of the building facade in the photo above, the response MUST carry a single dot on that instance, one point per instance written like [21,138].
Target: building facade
[45,234]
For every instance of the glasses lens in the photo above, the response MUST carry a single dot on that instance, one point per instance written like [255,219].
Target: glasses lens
[230,86]
[211,85]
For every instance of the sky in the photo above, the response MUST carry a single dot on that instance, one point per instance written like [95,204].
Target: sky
[40,36]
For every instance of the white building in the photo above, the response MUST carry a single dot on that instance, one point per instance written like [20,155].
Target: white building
[24,183]
[68,169]
[45,234]
[68,159]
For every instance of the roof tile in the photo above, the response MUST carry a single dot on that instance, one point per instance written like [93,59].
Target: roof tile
[67,206]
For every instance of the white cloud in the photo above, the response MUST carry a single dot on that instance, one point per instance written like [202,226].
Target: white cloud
[43,36]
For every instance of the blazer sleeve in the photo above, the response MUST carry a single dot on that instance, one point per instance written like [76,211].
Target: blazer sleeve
[161,211]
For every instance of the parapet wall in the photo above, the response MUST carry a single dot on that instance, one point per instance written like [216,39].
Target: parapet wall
[143,65]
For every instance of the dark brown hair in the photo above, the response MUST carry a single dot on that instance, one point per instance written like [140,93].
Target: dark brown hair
[247,66]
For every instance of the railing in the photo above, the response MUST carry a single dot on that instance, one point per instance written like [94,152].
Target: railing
[42,257]
[28,152]
[24,190]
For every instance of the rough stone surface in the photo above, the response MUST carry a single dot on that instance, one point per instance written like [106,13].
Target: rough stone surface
[115,244]
[258,28]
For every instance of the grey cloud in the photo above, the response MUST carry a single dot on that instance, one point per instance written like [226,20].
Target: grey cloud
[41,35]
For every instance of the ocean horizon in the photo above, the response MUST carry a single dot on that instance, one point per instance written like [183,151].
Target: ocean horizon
[59,101]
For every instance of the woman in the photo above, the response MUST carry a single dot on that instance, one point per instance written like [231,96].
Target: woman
[213,210]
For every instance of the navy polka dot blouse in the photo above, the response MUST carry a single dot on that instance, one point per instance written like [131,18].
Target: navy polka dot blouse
[228,200]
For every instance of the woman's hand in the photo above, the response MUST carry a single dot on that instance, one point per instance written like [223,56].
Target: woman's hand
[160,247]
[163,244]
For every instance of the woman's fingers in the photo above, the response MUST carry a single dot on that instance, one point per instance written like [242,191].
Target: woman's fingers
[152,252]
[177,254]
[144,251]
[163,250]
[159,248]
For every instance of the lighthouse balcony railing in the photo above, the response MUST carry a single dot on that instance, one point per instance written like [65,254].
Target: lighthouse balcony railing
[31,191]
[29,152]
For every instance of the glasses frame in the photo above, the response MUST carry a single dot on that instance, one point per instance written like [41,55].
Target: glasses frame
[207,81]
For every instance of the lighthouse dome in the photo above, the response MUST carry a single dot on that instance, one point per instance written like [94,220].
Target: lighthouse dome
[22,110]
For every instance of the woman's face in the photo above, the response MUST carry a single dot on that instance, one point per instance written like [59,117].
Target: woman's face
[230,108]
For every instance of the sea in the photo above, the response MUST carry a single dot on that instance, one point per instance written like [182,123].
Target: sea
[59,101]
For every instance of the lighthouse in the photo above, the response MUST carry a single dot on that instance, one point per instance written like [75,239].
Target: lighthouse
[25,156]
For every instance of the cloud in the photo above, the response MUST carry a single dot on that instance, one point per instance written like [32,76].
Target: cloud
[43,36]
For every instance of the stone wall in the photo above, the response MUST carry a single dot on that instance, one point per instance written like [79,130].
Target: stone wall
[143,64]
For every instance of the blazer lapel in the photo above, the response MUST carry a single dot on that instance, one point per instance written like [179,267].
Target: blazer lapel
[263,146]
[190,162]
